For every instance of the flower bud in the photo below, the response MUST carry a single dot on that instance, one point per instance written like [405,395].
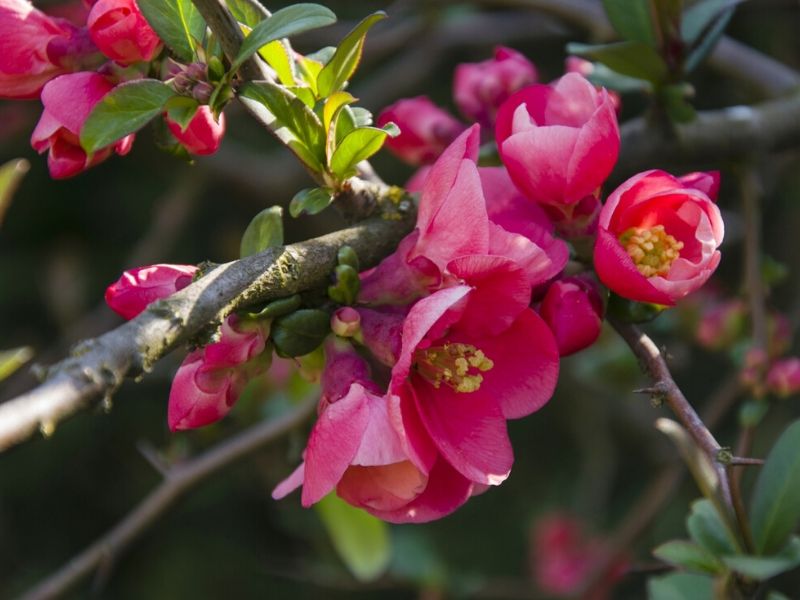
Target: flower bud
[783,378]
[203,134]
[139,287]
[202,92]
[425,129]
[581,66]
[121,32]
[721,324]
[573,310]
[480,88]
[346,322]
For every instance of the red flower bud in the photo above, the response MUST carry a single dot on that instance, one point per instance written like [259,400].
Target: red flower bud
[573,310]
[203,134]
[121,32]
[783,378]
[138,287]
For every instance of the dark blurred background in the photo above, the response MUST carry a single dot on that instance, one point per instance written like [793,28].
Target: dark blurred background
[591,451]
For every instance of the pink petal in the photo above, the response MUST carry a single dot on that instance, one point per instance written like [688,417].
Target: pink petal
[290,484]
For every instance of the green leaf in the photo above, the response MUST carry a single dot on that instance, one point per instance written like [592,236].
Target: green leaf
[125,109]
[310,201]
[11,174]
[603,76]
[776,499]
[344,61]
[631,19]
[347,285]
[707,529]
[707,40]
[292,120]
[361,540]
[264,231]
[764,567]
[357,145]
[11,360]
[688,555]
[773,595]
[283,23]
[249,12]
[300,332]
[634,59]
[676,104]
[700,16]
[277,308]
[680,586]
[278,55]
[361,116]
[182,110]
[177,22]
[334,104]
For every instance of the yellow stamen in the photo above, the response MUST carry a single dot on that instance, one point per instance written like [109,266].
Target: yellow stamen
[653,250]
[456,365]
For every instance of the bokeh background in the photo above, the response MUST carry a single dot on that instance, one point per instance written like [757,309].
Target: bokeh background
[590,452]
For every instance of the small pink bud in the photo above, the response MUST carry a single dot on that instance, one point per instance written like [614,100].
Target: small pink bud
[425,129]
[721,324]
[754,368]
[202,92]
[203,134]
[121,32]
[480,88]
[139,287]
[346,322]
[573,310]
[783,378]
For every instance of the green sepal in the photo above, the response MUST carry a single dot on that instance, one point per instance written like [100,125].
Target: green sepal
[300,332]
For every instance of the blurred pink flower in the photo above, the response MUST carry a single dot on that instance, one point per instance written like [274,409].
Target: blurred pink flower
[783,377]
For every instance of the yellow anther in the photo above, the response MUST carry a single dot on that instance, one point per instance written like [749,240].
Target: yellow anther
[652,250]
[453,365]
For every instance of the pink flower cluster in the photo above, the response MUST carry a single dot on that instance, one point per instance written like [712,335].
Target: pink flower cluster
[72,68]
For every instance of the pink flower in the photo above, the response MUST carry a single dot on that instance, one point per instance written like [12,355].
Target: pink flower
[581,66]
[563,558]
[480,88]
[68,100]
[573,310]
[783,378]
[203,134]
[121,32]
[425,129]
[558,141]
[657,238]
[721,324]
[210,380]
[30,48]
[139,287]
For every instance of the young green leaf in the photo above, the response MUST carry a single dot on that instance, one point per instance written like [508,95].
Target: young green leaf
[300,332]
[764,567]
[360,540]
[680,586]
[248,12]
[707,529]
[603,76]
[344,61]
[334,104]
[264,231]
[707,39]
[177,23]
[283,23]
[357,145]
[634,59]
[310,201]
[631,19]
[125,109]
[11,360]
[278,55]
[776,500]
[11,174]
[690,556]
[701,15]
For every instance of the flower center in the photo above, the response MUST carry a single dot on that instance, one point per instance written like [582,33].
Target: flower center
[653,250]
[456,365]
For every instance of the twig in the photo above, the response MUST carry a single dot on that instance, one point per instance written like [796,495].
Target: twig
[177,481]
[101,364]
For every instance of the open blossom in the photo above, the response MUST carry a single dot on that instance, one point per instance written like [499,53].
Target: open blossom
[121,32]
[139,287]
[573,310]
[68,100]
[480,88]
[658,237]
[210,380]
[203,134]
[425,129]
[559,142]
[32,48]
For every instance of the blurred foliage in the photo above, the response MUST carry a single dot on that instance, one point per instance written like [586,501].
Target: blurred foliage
[591,450]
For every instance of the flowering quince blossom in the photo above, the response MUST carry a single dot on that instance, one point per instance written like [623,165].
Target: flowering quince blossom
[559,142]
[139,287]
[480,88]
[68,100]
[573,310]
[210,379]
[658,236]
[783,377]
[425,129]
[120,31]
[203,133]
[33,48]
